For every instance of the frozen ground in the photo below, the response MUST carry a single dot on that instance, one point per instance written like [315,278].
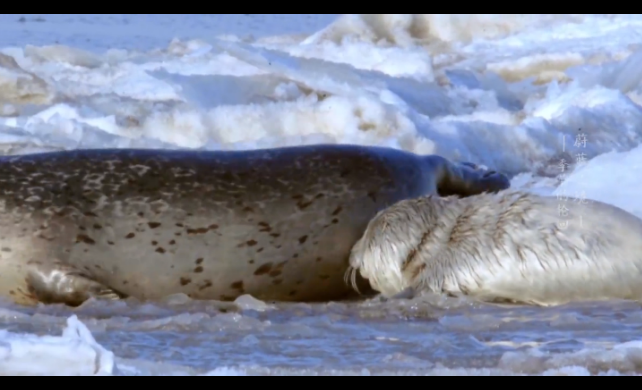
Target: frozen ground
[519,93]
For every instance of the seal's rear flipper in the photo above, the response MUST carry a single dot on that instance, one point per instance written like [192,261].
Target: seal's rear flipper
[63,284]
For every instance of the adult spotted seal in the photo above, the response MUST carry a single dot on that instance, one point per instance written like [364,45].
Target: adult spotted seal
[275,223]
[510,246]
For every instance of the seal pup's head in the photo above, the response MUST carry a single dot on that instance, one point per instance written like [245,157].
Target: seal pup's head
[393,251]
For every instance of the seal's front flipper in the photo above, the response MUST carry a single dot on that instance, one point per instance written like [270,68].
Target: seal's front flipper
[63,284]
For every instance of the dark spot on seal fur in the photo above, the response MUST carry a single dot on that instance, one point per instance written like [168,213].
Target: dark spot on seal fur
[337,211]
[199,260]
[251,262]
[260,250]
[89,214]
[335,221]
[296,255]
[85,238]
[172,242]
[110,242]
[160,250]
[275,235]
[6,249]
[197,231]
[319,259]
[154,243]
[277,282]
[238,285]
[303,205]
[264,269]
[180,225]
[213,226]
[265,227]
[185,281]
[141,214]
[248,209]
[251,243]
[275,273]
[98,226]
[303,239]
[130,235]
[205,285]
[153,225]
[198,269]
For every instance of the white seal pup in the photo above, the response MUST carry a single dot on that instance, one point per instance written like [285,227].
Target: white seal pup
[506,247]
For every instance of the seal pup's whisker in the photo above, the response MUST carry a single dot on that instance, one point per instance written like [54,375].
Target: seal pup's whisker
[350,278]
[346,276]
[354,281]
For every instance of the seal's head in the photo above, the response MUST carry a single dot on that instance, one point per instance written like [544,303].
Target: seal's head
[482,180]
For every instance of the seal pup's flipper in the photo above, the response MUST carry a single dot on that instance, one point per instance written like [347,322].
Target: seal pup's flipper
[53,284]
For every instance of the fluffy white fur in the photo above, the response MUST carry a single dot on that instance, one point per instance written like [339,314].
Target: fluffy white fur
[505,247]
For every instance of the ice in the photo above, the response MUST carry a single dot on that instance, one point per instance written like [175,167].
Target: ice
[597,179]
[247,302]
[524,94]
[19,87]
[73,353]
